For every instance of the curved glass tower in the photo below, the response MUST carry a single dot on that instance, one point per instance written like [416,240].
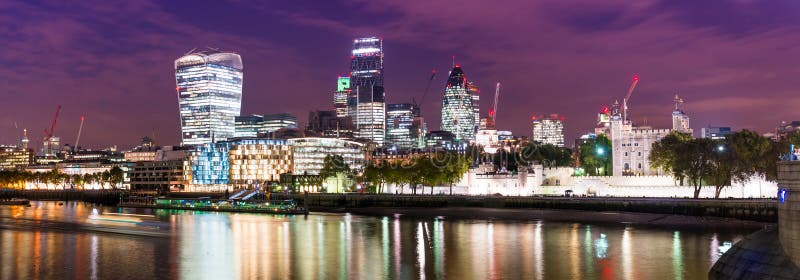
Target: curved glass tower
[209,86]
[458,115]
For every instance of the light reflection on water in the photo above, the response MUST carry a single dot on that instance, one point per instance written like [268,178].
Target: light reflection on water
[333,246]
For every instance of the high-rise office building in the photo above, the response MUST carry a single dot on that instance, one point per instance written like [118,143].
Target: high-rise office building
[209,86]
[549,130]
[263,125]
[366,85]
[340,96]
[401,130]
[458,115]
[475,92]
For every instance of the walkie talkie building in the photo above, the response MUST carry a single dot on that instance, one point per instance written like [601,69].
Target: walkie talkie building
[209,86]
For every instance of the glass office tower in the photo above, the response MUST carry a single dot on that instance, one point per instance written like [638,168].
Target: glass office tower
[367,92]
[458,116]
[209,86]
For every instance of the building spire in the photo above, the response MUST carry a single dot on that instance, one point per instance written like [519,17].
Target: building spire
[678,102]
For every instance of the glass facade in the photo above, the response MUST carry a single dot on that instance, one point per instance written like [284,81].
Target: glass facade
[259,125]
[241,163]
[475,92]
[210,166]
[367,93]
[309,154]
[458,115]
[209,86]
[255,162]
[400,128]
[340,96]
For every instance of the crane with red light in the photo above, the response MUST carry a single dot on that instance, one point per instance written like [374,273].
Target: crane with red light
[49,133]
[628,97]
[493,111]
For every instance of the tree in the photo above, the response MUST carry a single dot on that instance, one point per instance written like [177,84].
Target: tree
[115,176]
[334,166]
[595,156]
[665,154]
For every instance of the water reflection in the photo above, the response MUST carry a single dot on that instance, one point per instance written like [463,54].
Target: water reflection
[331,246]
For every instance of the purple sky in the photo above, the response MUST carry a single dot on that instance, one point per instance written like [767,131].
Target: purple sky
[736,63]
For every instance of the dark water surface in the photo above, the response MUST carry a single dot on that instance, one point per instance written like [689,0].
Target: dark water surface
[51,241]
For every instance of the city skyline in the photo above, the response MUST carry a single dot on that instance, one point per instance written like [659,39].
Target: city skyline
[129,81]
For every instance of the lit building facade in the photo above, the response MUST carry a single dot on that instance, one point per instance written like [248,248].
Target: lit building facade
[715,132]
[259,125]
[162,176]
[458,115]
[549,130]
[400,129]
[340,96]
[631,145]
[209,86]
[475,92]
[255,162]
[241,163]
[14,157]
[366,83]
[440,140]
[309,153]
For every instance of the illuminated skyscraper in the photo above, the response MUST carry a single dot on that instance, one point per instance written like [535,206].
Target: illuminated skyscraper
[475,92]
[367,93]
[549,130]
[340,96]
[209,86]
[401,129]
[458,115]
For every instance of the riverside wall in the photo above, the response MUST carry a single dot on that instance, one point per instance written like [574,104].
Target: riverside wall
[761,210]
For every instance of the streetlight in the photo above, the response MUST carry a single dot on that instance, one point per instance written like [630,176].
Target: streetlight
[600,151]
[721,148]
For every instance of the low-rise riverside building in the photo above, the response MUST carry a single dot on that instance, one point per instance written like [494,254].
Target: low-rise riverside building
[12,157]
[239,163]
[310,153]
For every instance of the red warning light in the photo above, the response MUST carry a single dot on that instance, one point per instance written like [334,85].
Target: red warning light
[83,118]
[491,112]
[635,77]
[533,118]
[178,89]
[605,110]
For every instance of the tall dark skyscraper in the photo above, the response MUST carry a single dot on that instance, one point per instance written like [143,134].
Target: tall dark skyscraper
[367,93]
[458,115]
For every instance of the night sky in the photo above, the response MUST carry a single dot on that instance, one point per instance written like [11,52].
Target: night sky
[736,63]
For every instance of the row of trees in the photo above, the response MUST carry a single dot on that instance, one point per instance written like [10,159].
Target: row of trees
[437,169]
[18,178]
[425,170]
[718,163]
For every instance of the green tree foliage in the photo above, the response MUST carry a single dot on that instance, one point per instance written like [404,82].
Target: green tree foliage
[718,163]
[595,156]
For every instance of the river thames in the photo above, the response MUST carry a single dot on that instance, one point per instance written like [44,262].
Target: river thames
[52,241]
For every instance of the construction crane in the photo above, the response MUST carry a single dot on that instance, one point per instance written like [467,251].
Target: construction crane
[628,97]
[49,134]
[493,111]
[424,93]
[78,139]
